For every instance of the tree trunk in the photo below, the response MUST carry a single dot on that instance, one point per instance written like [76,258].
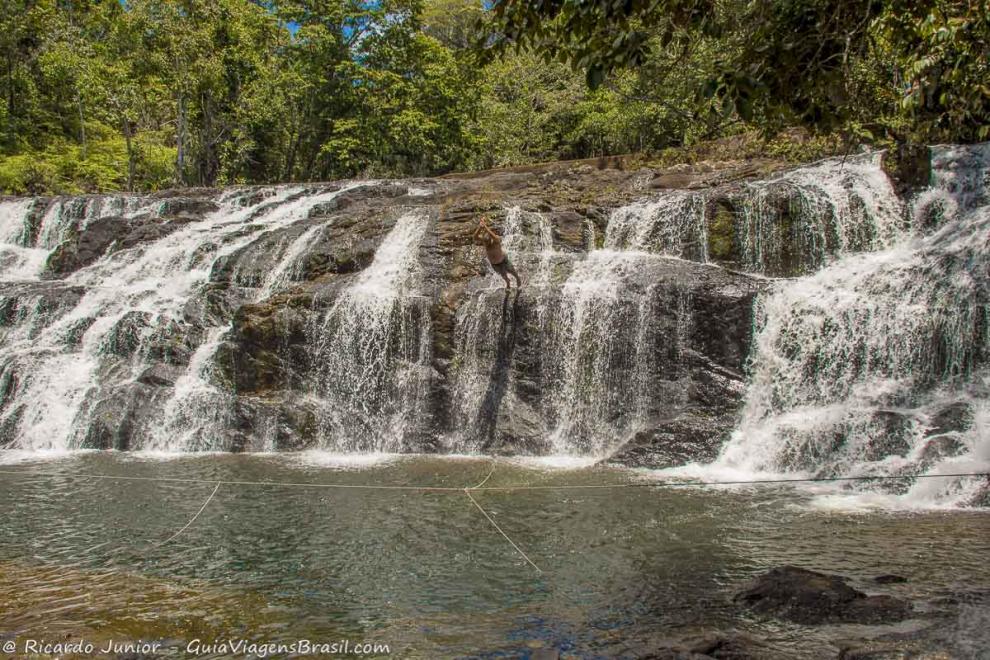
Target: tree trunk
[180,155]
[82,123]
[11,107]
[130,156]
[210,166]
[290,160]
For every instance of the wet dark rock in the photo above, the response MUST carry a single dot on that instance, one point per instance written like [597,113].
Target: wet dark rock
[956,417]
[693,437]
[893,436]
[187,206]
[158,375]
[714,646]
[357,194]
[723,240]
[268,341]
[112,419]
[890,578]
[124,338]
[83,247]
[909,167]
[939,447]
[40,303]
[808,597]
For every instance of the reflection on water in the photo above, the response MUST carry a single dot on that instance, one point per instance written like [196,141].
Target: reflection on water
[423,571]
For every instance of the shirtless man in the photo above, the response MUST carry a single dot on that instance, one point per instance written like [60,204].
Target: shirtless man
[497,257]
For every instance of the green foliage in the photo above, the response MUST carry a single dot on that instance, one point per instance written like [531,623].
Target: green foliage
[943,50]
[63,168]
[100,95]
[876,70]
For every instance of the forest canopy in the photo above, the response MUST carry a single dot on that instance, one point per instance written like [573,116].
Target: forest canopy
[146,94]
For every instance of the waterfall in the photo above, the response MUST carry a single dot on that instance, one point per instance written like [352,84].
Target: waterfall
[292,316]
[26,242]
[789,224]
[19,260]
[199,411]
[372,349]
[487,326]
[196,415]
[597,377]
[619,329]
[796,222]
[123,314]
[880,363]
[289,263]
[672,224]
[595,336]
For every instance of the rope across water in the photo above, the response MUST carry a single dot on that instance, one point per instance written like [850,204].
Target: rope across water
[480,487]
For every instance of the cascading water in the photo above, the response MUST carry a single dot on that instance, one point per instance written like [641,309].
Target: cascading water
[599,380]
[116,318]
[372,349]
[796,222]
[788,224]
[280,276]
[486,331]
[199,410]
[880,363]
[285,317]
[672,224]
[600,353]
[603,385]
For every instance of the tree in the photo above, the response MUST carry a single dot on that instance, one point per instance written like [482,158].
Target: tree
[781,62]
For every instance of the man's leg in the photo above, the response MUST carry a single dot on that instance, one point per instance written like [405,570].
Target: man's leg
[512,269]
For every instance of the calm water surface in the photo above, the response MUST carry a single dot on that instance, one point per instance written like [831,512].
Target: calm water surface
[623,569]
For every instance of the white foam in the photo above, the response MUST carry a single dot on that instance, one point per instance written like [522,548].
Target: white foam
[330,459]
[15,456]
[563,462]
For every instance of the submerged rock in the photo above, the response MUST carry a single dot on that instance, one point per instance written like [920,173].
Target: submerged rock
[808,597]
[715,646]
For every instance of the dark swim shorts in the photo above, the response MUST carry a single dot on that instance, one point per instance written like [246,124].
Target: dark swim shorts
[504,267]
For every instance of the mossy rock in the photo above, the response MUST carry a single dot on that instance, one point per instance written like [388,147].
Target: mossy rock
[722,244]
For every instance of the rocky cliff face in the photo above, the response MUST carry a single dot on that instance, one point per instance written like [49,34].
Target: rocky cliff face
[359,316]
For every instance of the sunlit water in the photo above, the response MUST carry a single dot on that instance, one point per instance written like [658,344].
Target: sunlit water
[623,569]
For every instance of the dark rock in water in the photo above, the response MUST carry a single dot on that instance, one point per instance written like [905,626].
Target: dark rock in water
[808,597]
[939,447]
[717,646]
[84,247]
[890,579]
[187,205]
[956,417]
[892,437]
[909,167]
[690,438]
